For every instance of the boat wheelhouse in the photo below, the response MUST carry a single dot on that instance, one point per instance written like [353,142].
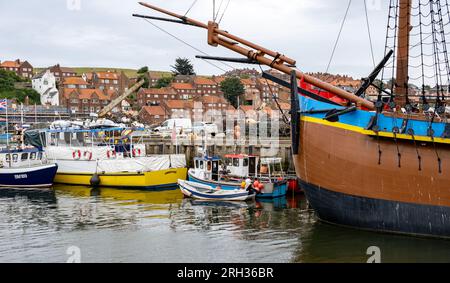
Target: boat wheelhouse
[25,167]
[231,172]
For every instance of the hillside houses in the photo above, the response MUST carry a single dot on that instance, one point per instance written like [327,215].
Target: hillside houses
[21,68]
[45,84]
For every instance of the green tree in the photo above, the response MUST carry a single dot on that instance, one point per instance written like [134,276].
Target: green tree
[8,90]
[143,70]
[232,89]
[183,67]
[143,75]
[164,82]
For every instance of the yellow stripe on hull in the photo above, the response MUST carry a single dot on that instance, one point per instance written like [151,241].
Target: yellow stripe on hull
[372,133]
[147,180]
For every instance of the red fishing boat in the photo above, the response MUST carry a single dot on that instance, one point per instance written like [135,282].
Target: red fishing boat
[381,165]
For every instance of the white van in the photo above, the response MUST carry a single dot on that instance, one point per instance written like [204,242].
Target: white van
[182,125]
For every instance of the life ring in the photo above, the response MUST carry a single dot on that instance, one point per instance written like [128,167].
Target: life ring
[137,152]
[88,155]
[111,153]
[76,154]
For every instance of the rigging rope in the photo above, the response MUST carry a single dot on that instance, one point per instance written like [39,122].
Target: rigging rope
[369,33]
[339,35]
[190,45]
[190,8]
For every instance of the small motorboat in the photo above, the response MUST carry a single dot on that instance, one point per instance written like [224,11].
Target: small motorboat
[26,168]
[205,192]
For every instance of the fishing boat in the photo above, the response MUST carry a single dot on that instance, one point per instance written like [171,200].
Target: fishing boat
[109,157]
[25,168]
[205,192]
[235,169]
[380,164]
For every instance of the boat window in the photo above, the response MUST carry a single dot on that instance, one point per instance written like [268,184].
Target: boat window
[236,162]
[8,157]
[33,156]
[24,156]
[40,156]
[209,166]
[264,169]
[201,165]
[15,157]
[245,162]
[197,164]
[228,162]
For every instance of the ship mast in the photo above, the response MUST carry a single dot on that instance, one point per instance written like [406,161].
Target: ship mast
[402,77]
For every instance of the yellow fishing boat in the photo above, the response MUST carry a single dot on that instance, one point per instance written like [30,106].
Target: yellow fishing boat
[109,158]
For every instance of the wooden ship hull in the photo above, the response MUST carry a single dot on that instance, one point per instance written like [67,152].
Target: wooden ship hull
[353,178]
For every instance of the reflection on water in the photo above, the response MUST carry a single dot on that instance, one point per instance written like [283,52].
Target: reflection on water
[111,225]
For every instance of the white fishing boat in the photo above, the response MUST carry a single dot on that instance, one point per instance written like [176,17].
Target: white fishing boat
[110,157]
[205,192]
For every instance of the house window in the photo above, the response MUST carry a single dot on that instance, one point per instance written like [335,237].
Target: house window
[85,101]
[95,100]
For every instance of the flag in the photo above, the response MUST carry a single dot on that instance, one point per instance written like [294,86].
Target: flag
[174,134]
[3,104]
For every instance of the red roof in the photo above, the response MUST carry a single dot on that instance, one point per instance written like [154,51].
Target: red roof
[182,86]
[86,93]
[10,64]
[154,110]
[160,91]
[107,75]
[204,81]
[74,81]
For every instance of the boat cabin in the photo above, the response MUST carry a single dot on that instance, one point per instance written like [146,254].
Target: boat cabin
[207,168]
[241,165]
[16,158]
[271,168]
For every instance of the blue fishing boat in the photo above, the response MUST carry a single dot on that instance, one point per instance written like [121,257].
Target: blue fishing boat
[236,172]
[26,168]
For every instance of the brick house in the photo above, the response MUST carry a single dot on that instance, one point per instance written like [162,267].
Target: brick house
[86,100]
[185,91]
[268,90]
[154,77]
[205,86]
[74,82]
[108,80]
[252,94]
[61,73]
[183,79]
[154,96]
[214,106]
[152,115]
[21,68]
[179,108]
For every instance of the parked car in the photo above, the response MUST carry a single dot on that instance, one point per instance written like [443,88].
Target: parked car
[202,128]
[181,125]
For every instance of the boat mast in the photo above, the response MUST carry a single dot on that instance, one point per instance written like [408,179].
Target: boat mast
[402,78]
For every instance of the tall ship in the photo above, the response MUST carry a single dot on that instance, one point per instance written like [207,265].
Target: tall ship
[114,157]
[380,164]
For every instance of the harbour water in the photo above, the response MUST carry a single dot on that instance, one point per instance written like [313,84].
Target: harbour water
[110,225]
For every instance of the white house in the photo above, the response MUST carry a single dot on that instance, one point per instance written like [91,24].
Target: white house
[45,84]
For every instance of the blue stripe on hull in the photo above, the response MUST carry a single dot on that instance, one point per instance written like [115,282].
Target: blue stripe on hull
[210,196]
[379,215]
[280,189]
[38,178]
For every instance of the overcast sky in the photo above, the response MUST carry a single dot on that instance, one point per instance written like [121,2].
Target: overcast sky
[102,33]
